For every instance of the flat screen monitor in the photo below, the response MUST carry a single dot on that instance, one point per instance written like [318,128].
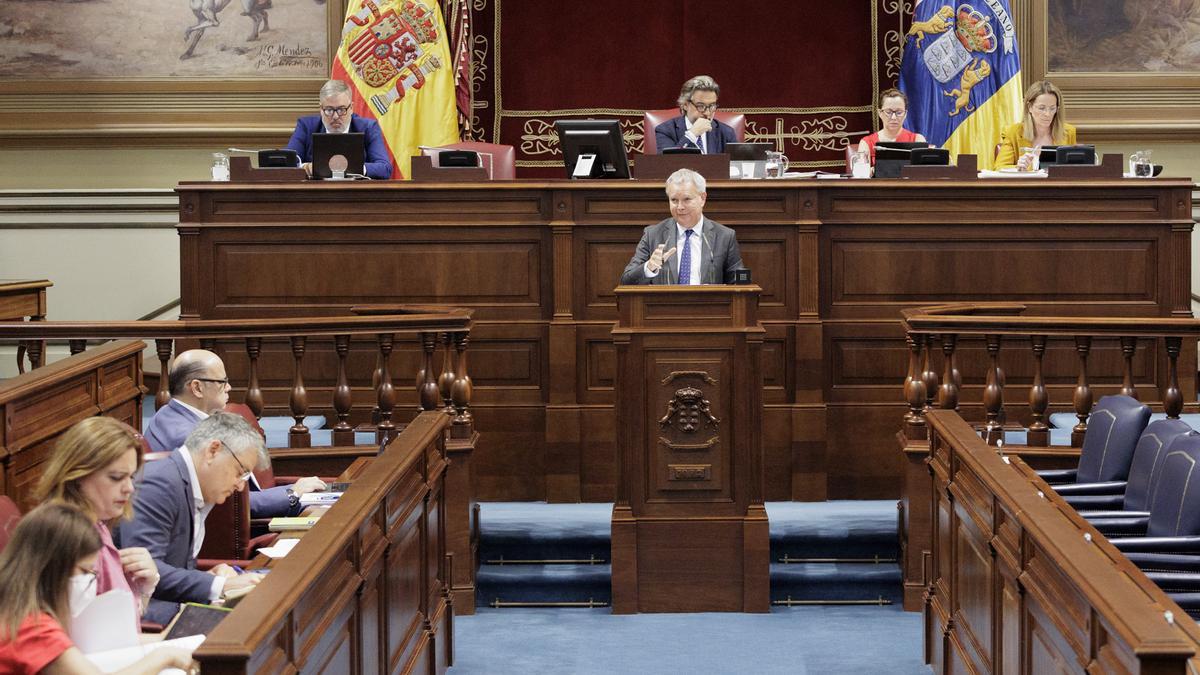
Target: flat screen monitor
[593,148]
[1048,156]
[348,146]
[1075,154]
[748,152]
[891,155]
[930,156]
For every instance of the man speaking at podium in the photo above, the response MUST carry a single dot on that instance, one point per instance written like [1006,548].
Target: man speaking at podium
[335,117]
[686,248]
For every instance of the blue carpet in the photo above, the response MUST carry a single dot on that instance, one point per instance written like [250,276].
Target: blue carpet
[572,533]
[798,640]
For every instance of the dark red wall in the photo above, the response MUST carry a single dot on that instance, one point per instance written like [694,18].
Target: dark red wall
[804,71]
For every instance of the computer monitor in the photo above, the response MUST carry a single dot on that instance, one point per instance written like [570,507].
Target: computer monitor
[1048,156]
[348,146]
[891,155]
[930,157]
[1075,154]
[593,148]
[276,159]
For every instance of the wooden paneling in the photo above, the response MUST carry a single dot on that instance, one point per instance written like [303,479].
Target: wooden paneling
[836,260]
[365,587]
[39,406]
[1022,584]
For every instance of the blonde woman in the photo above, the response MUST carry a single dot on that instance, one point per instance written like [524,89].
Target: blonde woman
[1044,124]
[92,468]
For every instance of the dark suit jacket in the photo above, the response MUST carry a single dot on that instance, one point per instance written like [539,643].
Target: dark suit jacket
[379,162]
[169,428]
[672,134]
[162,523]
[719,255]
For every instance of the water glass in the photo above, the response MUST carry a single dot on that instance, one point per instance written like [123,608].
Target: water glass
[1143,167]
[220,166]
[1035,158]
[860,165]
[777,164]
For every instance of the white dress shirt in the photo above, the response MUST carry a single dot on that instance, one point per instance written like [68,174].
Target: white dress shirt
[697,246]
[199,513]
[697,139]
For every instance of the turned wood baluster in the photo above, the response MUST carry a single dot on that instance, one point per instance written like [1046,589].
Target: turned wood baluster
[1172,397]
[446,379]
[37,353]
[948,393]
[163,349]
[385,429]
[929,375]
[1039,433]
[254,392]
[343,397]
[993,392]
[463,420]
[914,387]
[428,393]
[1083,392]
[298,436]
[1128,348]
[209,344]
[77,346]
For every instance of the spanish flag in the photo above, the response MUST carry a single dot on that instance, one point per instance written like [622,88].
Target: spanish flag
[962,75]
[396,55]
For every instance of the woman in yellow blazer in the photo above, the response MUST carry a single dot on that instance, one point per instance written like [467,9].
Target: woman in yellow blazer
[1043,125]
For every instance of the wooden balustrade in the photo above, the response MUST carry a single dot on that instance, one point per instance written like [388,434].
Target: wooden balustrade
[1021,584]
[1140,357]
[365,590]
[449,390]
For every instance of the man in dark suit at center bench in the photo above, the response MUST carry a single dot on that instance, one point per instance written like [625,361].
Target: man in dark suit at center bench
[336,116]
[686,248]
[696,126]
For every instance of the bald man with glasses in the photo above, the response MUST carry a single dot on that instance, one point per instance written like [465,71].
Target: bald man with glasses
[335,115]
[696,126]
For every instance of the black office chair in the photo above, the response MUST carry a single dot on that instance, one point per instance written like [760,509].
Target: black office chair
[1173,526]
[1126,498]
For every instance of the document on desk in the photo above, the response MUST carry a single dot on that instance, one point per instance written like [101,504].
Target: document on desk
[288,523]
[112,660]
[107,622]
[319,498]
[280,549]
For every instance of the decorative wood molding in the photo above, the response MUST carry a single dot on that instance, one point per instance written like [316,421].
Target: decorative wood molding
[88,209]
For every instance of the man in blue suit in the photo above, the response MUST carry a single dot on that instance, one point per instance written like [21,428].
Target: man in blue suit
[199,387]
[174,496]
[686,248]
[336,117]
[696,127]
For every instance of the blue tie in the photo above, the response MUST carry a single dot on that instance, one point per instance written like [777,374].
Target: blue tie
[685,259]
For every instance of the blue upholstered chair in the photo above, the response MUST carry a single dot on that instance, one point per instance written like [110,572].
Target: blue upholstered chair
[1114,426]
[1174,522]
[1120,498]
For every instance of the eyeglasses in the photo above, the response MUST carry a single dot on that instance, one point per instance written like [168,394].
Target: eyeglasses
[245,476]
[893,114]
[224,381]
[331,111]
[1041,109]
[703,107]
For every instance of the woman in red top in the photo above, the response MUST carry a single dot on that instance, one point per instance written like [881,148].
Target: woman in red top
[92,468]
[53,543]
[893,108]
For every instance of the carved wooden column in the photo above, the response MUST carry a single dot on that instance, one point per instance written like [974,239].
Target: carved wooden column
[689,531]
[386,392]
[462,513]
[254,393]
[163,349]
[1083,392]
[298,436]
[343,396]
[1039,432]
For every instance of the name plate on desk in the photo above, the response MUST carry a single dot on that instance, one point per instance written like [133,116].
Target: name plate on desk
[241,171]
[424,170]
[659,167]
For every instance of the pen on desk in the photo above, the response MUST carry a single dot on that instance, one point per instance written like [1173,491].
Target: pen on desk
[238,569]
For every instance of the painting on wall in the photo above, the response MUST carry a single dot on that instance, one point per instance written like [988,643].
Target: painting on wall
[130,39]
[1133,36]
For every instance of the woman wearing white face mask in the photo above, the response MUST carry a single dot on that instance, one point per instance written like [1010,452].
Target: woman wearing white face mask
[92,468]
[52,544]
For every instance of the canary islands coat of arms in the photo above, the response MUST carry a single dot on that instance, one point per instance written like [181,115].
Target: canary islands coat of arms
[964,36]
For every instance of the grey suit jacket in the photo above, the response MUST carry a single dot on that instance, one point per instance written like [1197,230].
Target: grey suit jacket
[719,255]
[162,523]
[170,427]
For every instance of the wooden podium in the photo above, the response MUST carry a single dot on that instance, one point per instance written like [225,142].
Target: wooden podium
[689,531]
